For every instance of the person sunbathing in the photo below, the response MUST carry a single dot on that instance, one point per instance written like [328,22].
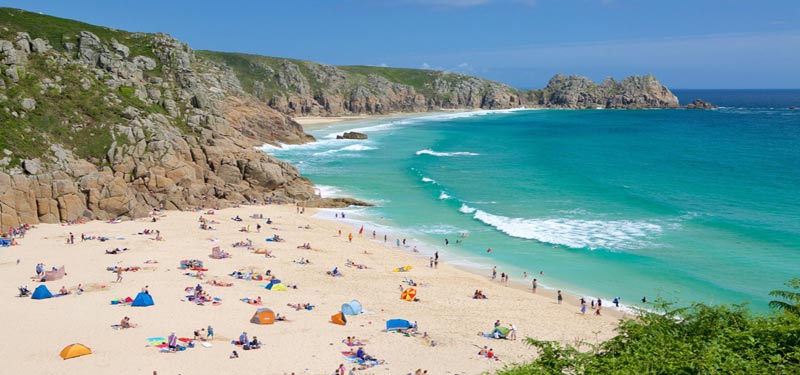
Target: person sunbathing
[63,291]
[126,323]
[280,318]
[335,272]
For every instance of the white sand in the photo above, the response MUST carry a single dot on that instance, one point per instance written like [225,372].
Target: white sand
[36,330]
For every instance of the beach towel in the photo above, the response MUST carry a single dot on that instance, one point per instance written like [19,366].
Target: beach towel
[156,340]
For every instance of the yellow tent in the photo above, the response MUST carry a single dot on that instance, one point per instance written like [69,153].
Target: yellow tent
[74,350]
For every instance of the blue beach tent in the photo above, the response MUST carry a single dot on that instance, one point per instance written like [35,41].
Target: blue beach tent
[41,292]
[143,299]
[351,308]
[397,324]
[4,242]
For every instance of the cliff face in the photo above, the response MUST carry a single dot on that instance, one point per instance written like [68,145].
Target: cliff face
[104,123]
[299,87]
[580,92]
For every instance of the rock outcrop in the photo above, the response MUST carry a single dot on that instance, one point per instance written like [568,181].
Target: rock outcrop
[700,104]
[580,92]
[129,128]
[352,135]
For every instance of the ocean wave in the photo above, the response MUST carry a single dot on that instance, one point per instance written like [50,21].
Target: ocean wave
[578,234]
[326,191]
[429,180]
[282,147]
[351,148]
[435,153]
[439,229]
[443,196]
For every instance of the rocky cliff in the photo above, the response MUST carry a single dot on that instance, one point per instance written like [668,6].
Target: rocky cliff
[580,92]
[100,123]
[300,88]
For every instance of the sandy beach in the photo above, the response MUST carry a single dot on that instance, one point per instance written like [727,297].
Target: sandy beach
[37,330]
[316,122]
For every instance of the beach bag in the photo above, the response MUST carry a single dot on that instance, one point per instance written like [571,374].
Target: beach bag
[246,347]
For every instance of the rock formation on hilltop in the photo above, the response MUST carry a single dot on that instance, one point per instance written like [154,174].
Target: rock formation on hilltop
[580,92]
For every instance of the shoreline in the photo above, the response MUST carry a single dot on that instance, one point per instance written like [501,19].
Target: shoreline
[446,310]
[570,297]
[310,123]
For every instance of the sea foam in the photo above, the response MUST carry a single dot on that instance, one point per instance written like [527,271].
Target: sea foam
[428,180]
[351,148]
[443,195]
[435,153]
[592,234]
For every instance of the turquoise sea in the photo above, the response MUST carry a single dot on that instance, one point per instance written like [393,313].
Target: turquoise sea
[686,205]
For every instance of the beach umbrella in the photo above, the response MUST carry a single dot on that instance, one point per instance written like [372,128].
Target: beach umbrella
[408,294]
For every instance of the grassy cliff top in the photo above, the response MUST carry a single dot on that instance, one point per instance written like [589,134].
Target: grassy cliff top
[252,68]
[61,30]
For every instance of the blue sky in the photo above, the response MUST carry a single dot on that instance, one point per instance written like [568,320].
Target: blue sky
[686,44]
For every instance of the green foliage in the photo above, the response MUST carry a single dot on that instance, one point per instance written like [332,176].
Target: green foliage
[790,299]
[60,30]
[699,339]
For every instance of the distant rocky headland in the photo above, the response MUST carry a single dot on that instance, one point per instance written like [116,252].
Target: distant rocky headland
[100,123]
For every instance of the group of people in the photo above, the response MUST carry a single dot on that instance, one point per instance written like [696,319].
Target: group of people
[479,295]
[488,353]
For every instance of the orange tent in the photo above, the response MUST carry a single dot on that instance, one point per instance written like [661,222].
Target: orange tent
[74,350]
[263,316]
[408,294]
[339,319]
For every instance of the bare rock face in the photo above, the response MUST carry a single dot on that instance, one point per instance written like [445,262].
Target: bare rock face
[700,104]
[580,92]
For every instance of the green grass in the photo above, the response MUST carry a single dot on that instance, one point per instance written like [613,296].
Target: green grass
[60,30]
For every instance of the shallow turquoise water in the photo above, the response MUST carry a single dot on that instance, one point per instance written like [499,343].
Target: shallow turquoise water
[687,205]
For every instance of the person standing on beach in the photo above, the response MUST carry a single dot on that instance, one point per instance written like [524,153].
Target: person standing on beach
[494,272]
[525,275]
[560,297]
[436,263]
[350,237]
[385,238]
[431,262]
[616,302]
[583,306]
[119,274]
[373,234]
[210,333]
[533,286]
